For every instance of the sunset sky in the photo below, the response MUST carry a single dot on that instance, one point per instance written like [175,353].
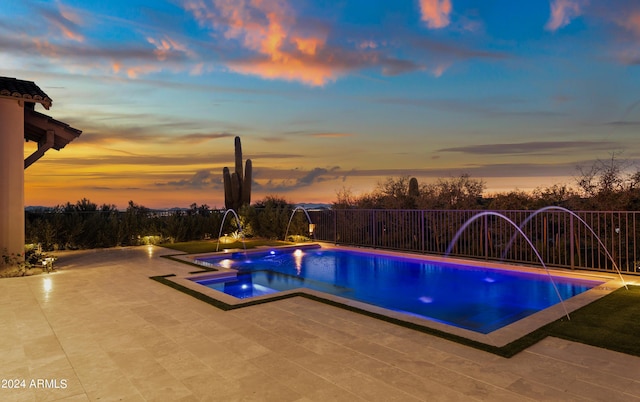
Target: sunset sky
[326,95]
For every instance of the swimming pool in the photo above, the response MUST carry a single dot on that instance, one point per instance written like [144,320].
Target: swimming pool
[480,299]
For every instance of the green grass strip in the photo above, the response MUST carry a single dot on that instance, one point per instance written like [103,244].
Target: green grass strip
[610,322]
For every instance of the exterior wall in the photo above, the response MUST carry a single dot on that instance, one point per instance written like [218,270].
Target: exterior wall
[11,176]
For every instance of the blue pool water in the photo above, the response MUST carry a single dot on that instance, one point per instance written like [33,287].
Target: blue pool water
[475,298]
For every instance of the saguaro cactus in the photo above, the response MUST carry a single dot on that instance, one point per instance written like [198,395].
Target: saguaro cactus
[414,192]
[237,186]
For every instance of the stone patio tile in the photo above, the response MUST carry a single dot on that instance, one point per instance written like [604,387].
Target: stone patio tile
[114,334]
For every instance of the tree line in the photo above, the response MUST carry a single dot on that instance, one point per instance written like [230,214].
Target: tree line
[85,225]
[607,185]
[604,186]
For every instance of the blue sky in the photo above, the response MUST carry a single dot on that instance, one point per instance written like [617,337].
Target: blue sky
[325,95]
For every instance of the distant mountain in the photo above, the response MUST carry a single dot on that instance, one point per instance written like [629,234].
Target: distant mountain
[37,208]
[313,206]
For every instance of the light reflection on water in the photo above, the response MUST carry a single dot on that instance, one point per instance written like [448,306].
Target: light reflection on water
[475,298]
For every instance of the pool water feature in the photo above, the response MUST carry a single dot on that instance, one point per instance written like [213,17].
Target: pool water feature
[476,298]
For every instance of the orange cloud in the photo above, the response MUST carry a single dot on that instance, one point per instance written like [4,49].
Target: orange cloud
[435,12]
[308,45]
[289,69]
[268,27]
[135,71]
[262,25]
[68,33]
[562,12]
[45,48]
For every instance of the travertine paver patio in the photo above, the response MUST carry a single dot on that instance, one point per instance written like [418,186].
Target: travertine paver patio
[100,329]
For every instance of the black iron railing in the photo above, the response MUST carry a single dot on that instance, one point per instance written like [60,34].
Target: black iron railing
[578,240]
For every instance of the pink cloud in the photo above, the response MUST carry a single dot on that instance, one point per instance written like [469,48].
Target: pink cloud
[367,44]
[66,20]
[630,53]
[439,69]
[563,11]
[166,46]
[632,22]
[132,61]
[435,12]
[198,69]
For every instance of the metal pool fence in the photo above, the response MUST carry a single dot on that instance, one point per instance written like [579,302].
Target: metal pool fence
[586,240]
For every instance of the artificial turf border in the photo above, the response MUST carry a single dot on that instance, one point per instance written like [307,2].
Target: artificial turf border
[610,322]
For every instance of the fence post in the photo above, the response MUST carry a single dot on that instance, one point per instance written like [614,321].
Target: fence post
[486,237]
[335,227]
[422,233]
[571,242]
[374,228]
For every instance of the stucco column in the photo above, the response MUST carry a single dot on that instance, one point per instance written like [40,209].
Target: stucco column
[11,176]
